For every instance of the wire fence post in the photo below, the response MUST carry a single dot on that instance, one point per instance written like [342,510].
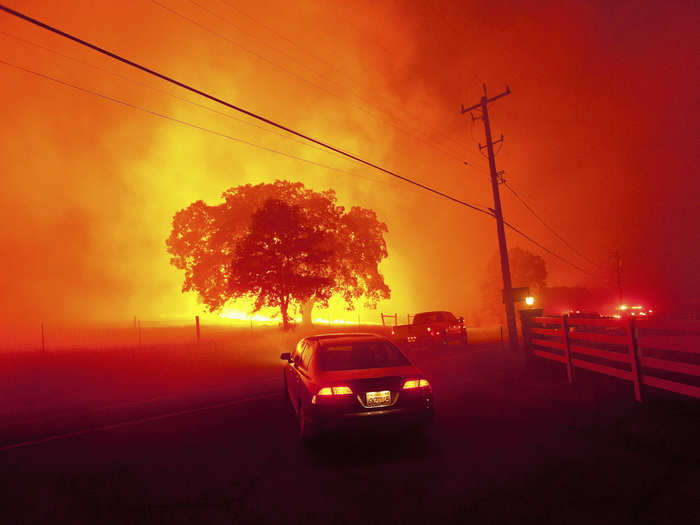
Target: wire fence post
[196,321]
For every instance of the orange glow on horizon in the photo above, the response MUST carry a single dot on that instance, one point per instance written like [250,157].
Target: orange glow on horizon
[92,185]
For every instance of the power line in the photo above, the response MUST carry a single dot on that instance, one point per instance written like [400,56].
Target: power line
[236,139]
[562,239]
[233,106]
[333,66]
[167,117]
[164,92]
[246,112]
[367,105]
[192,125]
[533,241]
[183,122]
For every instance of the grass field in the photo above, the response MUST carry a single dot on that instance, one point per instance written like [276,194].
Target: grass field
[168,362]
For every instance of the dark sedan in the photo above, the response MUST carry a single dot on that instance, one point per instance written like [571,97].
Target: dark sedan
[338,380]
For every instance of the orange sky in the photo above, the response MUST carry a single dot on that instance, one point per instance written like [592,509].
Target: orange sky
[600,138]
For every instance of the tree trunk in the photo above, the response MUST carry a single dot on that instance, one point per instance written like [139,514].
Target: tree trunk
[306,309]
[284,305]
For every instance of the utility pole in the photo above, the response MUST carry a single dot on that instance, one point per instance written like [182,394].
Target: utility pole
[498,213]
[618,268]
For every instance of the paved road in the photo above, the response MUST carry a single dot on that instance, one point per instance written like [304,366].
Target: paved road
[508,446]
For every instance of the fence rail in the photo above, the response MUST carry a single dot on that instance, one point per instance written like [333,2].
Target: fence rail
[647,352]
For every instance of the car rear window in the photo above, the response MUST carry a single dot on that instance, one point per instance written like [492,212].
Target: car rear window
[433,317]
[362,354]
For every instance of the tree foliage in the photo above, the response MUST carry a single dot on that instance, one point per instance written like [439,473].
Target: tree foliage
[206,240]
[526,269]
[282,258]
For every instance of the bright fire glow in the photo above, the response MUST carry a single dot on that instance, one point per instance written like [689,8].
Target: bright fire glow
[321,320]
[258,318]
[530,300]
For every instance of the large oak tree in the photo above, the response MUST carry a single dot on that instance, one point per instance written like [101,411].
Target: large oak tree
[205,240]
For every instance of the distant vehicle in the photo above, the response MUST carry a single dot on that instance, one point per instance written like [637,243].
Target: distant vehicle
[583,314]
[432,327]
[336,381]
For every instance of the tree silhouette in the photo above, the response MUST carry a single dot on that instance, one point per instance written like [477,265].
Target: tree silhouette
[526,269]
[204,241]
[282,258]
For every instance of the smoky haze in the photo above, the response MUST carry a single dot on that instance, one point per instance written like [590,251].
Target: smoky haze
[600,138]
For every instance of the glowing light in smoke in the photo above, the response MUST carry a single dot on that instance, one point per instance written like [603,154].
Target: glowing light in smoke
[257,318]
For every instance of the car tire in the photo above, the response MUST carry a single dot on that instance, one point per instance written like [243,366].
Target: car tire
[307,430]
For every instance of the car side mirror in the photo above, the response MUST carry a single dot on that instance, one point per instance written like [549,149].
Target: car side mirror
[286,357]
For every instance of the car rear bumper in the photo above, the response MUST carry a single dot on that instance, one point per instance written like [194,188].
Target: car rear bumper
[437,337]
[375,419]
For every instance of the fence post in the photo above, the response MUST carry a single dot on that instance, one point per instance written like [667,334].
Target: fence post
[567,348]
[383,325]
[634,359]
[196,322]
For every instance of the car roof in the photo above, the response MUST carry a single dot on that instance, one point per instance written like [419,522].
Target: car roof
[345,337]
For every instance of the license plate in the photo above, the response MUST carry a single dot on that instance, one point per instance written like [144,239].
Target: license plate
[381,398]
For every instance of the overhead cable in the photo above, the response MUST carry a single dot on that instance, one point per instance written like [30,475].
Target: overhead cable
[562,239]
[234,107]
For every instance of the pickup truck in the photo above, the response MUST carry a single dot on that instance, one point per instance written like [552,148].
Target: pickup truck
[432,327]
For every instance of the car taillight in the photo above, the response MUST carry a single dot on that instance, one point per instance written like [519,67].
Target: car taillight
[415,383]
[428,329]
[329,391]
